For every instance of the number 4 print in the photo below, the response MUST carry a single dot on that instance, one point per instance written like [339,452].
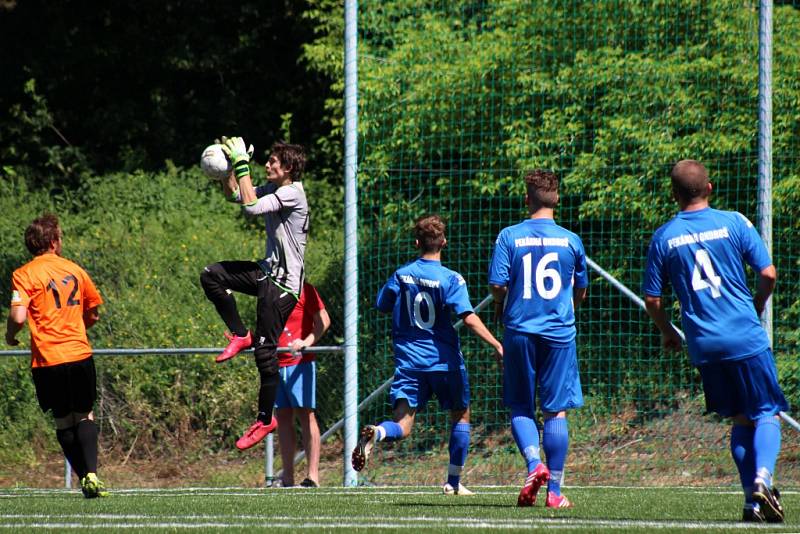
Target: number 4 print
[708,279]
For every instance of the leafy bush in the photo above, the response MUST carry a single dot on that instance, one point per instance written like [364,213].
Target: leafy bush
[144,238]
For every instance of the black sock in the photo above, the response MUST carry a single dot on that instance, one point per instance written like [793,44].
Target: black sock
[86,434]
[72,450]
[266,396]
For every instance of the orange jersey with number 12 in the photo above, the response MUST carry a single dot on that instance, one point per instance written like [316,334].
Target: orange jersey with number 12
[55,292]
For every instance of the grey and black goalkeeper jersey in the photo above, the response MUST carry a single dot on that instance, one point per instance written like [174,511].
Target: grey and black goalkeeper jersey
[286,219]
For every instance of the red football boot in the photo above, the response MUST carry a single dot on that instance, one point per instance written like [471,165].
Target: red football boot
[235,346]
[557,501]
[536,479]
[256,433]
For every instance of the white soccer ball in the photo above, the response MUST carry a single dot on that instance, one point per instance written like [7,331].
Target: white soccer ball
[214,163]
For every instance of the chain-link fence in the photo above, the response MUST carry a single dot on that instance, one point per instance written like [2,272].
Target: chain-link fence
[457,99]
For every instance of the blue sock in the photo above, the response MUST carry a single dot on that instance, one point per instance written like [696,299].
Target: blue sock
[555,441]
[526,434]
[767,445]
[459,447]
[744,458]
[391,431]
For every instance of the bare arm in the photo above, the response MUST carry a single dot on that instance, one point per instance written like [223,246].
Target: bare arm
[230,186]
[247,191]
[16,320]
[578,296]
[474,323]
[322,322]
[766,284]
[669,337]
[499,295]
[90,317]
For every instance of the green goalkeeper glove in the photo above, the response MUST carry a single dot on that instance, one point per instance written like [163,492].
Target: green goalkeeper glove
[239,154]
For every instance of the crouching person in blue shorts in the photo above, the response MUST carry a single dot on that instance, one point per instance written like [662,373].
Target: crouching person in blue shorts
[427,351]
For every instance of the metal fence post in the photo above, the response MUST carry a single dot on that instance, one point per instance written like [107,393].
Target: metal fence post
[350,240]
[765,140]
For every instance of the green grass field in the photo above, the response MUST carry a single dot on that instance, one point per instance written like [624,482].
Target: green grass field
[381,509]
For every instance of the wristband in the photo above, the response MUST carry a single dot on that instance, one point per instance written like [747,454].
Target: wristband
[241,169]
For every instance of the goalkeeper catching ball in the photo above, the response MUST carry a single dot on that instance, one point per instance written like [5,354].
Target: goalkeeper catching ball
[276,280]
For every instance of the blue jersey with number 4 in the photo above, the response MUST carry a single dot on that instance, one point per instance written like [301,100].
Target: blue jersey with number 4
[421,295]
[539,262]
[701,253]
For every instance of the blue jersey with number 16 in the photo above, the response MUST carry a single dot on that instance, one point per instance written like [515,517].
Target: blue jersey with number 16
[539,262]
[421,295]
[701,253]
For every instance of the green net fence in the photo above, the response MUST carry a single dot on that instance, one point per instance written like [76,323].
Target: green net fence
[457,99]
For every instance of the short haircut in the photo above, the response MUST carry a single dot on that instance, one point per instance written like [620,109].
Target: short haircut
[689,180]
[542,187]
[429,231]
[41,233]
[292,158]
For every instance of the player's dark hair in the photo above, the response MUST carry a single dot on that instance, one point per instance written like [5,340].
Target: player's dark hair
[689,180]
[292,158]
[429,231]
[41,233]
[542,187]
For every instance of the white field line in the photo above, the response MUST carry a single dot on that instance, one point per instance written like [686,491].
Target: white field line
[371,490]
[128,521]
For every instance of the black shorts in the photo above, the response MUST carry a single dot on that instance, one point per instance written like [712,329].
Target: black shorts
[66,388]
[273,308]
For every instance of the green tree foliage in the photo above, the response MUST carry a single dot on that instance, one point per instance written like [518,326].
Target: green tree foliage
[109,107]
[125,86]
[457,98]
[144,238]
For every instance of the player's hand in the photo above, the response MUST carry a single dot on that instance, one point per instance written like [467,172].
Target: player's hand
[236,150]
[498,356]
[297,345]
[238,153]
[671,341]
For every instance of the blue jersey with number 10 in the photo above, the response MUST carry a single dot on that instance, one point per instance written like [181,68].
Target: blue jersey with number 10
[701,253]
[539,262]
[421,295]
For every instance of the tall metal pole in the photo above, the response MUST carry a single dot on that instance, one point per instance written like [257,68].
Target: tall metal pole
[765,139]
[269,461]
[350,239]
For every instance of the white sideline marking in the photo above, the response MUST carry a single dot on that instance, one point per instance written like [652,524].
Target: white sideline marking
[372,490]
[328,522]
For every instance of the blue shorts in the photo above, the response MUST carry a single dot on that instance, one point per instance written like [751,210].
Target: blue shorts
[531,363]
[748,387]
[298,386]
[450,387]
